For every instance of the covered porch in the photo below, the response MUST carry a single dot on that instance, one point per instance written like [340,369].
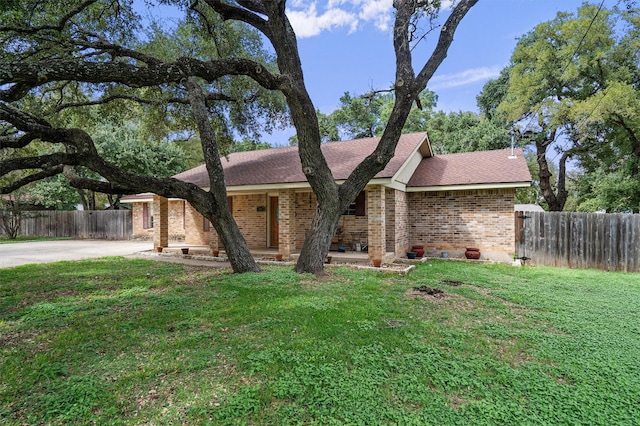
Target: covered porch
[275,222]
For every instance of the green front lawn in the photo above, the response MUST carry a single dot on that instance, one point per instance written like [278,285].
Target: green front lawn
[29,238]
[116,341]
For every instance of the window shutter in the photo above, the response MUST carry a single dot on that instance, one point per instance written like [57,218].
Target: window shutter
[230,204]
[360,204]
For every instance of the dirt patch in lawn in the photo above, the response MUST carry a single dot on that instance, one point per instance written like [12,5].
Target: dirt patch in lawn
[426,292]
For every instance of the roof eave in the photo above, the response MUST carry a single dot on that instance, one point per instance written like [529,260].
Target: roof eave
[471,186]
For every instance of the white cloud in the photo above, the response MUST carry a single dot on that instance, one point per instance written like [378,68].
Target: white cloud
[447,4]
[308,23]
[378,12]
[463,78]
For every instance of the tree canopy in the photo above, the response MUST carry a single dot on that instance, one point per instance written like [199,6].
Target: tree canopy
[572,89]
[80,53]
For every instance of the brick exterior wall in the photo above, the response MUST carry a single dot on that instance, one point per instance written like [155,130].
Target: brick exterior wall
[252,223]
[454,220]
[305,208]
[287,222]
[390,231]
[401,223]
[441,221]
[160,221]
[376,211]
[176,224]
[195,232]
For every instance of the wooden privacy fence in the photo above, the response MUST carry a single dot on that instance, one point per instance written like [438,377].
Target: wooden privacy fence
[579,240]
[98,224]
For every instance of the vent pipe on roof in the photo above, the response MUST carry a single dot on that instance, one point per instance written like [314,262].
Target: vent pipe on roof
[513,141]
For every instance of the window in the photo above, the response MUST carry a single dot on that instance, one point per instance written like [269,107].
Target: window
[206,225]
[147,215]
[357,208]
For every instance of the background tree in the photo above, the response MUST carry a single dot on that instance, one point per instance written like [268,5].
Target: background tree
[90,48]
[123,146]
[12,211]
[464,132]
[559,74]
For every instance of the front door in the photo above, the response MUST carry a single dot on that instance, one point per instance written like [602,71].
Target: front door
[273,222]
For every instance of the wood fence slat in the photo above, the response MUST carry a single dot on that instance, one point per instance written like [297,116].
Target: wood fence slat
[99,224]
[580,240]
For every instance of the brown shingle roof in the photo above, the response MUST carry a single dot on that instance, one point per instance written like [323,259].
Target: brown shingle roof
[471,168]
[282,165]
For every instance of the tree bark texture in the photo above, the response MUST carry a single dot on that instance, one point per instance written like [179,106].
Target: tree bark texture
[216,208]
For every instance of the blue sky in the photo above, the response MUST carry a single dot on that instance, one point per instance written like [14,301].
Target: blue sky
[338,56]
[346,45]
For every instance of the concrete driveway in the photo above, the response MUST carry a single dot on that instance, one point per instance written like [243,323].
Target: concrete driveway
[52,251]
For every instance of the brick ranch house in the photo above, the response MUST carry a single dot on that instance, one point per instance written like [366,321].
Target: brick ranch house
[443,202]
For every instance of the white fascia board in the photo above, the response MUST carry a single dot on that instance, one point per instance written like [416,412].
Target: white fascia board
[405,172]
[409,167]
[397,185]
[147,200]
[469,187]
[302,186]
[265,187]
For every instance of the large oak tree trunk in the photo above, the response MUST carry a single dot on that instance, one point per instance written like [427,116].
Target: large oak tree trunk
[214,207]
[318,240]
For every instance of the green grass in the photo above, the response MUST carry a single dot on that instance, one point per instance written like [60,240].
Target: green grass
[29,238]
[116,341]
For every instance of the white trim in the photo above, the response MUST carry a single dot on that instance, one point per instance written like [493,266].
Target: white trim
[409,166]
[469,187]
[148,200]
[300,186]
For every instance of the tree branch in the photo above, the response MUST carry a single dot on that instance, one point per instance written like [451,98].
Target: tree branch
[41,72]
[21,120]
[210,97]
[17,142]
[115,50]
[444,41]
[39,162]
[229,12]
[15,92]
[207,136]
[79,182]
[30,179]
[58,27]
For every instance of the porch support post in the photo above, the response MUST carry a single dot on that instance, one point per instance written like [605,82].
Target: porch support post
[194,232]
[160,222]
[401,241]
[377,238]
[287,222]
